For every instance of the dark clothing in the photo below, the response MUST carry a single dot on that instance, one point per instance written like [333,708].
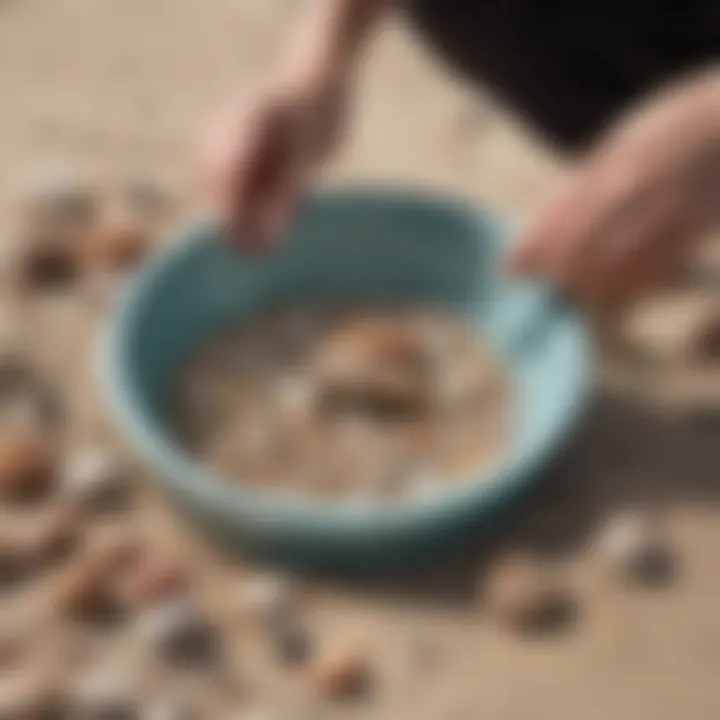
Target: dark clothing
[568,66]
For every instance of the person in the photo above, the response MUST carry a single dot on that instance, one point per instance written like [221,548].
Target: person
[629,88]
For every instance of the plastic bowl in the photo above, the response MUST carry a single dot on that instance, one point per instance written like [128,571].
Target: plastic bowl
[350,244]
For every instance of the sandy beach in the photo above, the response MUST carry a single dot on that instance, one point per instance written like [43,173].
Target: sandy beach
[120,88]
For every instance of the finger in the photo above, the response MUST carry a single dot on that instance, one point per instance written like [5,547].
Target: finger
[267,184]
[590,207]
[641,254]
[264,227]
[246,193]
[273,205]
[658,261]
[536,240]
[558,227]
[229,202]
[644,243]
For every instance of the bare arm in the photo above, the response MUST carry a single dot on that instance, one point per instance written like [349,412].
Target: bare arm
[635,208]
[331,36]
[262,154]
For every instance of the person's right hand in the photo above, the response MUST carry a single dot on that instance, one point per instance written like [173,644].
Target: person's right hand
[260,155]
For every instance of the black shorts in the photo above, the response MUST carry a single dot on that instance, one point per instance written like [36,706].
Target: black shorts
[568,66]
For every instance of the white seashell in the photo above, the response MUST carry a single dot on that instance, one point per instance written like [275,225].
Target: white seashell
[59,197]
[94,473]
[267,595]
[526,596]
[631,544]
[177,630]
[165,620]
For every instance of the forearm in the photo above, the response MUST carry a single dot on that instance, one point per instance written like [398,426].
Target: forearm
[331,36]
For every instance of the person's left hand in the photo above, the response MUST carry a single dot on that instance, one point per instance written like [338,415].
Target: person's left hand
[635,207]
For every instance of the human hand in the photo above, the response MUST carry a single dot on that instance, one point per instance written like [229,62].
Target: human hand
[632,211]
[261,154]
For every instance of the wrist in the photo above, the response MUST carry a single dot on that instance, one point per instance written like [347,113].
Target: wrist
[314,71]
[328,43]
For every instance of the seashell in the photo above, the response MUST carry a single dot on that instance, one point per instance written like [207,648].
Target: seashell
[178,632]
[59,198]
[155,580]
[119,245]
[27,463]
[341,673]
[266,596]
[632,546]
[525,596]
[95,476]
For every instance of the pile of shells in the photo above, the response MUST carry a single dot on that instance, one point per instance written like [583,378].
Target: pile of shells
[345,403]
[530,595]
[71,232]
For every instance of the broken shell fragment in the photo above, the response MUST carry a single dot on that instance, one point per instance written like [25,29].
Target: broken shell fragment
[290,640]
[147,198]
[60,200]
[27,463]
[27,401]
[95,476]
[341,673]
[56,537]
[154,580]
[119,245]
[14,561]
[81,593]
[45,262]
[266,596]
[86,589]
[113,551]
[526,596]
[179,633]
[632,545]
[373,365]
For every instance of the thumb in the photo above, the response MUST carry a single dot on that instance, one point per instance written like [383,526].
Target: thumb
[275,211]
[525,258]
[548,231]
